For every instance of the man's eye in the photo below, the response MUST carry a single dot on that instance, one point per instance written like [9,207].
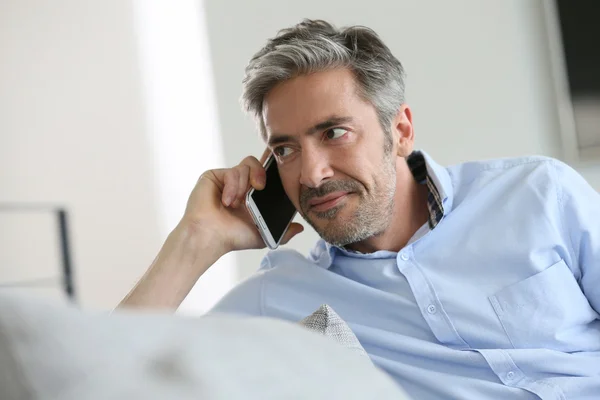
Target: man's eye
[282,151]
[335,133]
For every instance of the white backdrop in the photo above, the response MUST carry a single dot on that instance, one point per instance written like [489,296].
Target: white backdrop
[181,120]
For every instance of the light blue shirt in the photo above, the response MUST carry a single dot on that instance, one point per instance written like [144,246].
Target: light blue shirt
[499,301]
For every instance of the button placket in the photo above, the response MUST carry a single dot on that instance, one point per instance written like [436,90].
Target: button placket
[426,298]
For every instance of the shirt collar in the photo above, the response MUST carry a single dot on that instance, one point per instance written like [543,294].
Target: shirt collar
[426,171]
[418,167]
[440,178]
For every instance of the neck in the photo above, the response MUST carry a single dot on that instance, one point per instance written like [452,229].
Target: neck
[409,213]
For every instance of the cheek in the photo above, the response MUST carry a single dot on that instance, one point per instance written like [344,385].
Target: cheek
[356,166]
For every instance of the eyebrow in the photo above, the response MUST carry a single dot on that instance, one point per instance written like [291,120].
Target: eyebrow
[330,122]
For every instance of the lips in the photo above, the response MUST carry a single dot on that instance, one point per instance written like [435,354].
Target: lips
[326,202]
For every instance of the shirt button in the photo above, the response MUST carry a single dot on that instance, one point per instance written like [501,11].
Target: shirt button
[431,309]
[404,257]
[510,376]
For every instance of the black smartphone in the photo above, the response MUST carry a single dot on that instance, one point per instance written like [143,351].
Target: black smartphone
[271,208]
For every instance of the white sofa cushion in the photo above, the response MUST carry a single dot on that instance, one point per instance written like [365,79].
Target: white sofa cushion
[52,351]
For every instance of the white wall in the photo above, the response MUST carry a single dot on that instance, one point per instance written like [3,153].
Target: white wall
[105,108]
[182,120]
[72,132]
[479,79]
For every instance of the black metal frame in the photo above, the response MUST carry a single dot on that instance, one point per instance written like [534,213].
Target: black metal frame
[62,220]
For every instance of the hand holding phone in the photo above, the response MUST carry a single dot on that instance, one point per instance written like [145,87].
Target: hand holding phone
[216,207]
[270,208]
[215,222]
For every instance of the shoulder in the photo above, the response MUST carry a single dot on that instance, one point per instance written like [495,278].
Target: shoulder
[319,256]
[474,170]
[537,183]
[280,267]
[282,258]
[533,172]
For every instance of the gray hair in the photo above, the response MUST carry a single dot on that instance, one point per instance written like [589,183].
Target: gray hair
[316,45]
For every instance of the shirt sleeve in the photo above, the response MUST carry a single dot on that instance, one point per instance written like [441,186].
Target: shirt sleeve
[580,209]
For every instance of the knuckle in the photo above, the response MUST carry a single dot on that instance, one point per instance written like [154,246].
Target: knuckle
[233,173]
[249,160]
[206,175]
[244,169]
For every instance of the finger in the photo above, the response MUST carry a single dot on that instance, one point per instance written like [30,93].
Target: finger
[258,176]
[243,185]
[294,229]
[230,189]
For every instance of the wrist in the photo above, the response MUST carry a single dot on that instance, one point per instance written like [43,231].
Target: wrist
[197,243]
[188,252]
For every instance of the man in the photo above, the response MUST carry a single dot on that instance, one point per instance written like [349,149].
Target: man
[479,281]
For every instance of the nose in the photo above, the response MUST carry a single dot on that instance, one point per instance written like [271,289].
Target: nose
[315,168]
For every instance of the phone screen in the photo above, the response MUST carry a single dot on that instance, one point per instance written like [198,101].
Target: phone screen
[275,207]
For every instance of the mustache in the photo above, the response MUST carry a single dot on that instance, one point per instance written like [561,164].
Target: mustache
[306,193]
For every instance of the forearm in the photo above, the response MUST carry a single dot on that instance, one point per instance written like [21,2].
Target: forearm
[185,256]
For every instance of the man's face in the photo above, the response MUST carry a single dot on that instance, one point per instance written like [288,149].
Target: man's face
[332,155]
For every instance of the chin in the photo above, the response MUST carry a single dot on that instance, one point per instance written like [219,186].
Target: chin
[347,228]
[334,220]
[334,229]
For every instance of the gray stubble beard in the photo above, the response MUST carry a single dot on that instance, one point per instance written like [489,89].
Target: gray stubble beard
[371,218]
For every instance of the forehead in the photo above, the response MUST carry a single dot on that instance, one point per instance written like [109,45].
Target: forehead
[299,103]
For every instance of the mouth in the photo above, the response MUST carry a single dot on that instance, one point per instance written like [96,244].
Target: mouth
[320,204]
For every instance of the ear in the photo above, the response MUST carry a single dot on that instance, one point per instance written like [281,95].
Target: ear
[402,132]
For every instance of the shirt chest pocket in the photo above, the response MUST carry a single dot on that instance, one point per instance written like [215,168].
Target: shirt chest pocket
[547,310]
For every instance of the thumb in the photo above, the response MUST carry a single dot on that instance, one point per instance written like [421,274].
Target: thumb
[294,229]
